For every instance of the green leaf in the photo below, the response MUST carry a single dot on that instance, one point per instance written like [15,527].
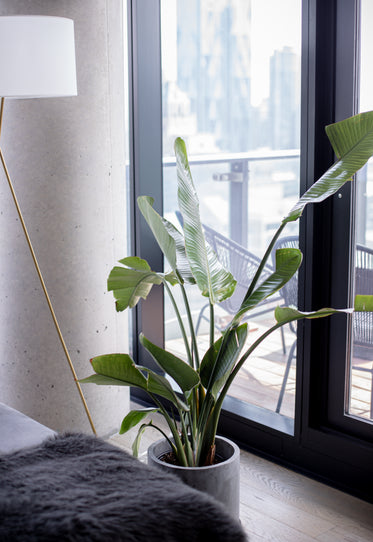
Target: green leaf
[220,359]
[136,442]
[121,367]
[102,380]
[172,278]
[135,417]
[352,140]
[169,239]
[135,263]
[182,262]
[155,222]
[212,279]
[356,131]
[183,374]
[129,285]
[284,315]
[288,261]
[208,362]
[159,385]
[363,303]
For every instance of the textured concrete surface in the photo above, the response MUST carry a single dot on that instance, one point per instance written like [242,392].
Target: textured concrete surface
[66,157]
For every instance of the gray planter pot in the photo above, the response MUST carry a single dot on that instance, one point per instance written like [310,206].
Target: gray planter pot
[221,481]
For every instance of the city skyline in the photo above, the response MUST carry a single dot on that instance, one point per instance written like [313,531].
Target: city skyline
[208,85]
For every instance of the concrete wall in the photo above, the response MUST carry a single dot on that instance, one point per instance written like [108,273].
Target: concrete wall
[66,158]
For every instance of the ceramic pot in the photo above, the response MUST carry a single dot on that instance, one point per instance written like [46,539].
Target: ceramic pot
[221,481]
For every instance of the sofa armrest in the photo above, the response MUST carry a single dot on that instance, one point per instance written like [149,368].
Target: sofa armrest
[18,431]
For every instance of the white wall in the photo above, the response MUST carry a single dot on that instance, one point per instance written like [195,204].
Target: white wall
[66,158]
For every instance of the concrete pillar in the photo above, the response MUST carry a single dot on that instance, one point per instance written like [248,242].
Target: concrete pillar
[66,157]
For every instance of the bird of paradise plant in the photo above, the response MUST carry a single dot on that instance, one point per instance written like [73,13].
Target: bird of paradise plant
[203,380]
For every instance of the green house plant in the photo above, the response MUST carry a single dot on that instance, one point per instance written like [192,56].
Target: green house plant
[204,379]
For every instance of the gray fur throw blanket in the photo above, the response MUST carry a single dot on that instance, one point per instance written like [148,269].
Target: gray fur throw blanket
[79,488]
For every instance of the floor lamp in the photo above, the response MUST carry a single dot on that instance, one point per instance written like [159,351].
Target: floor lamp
[37,59]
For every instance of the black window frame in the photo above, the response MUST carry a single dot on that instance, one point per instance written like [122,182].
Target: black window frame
[322,442]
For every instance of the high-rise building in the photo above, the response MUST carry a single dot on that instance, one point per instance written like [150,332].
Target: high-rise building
[213,68]
[284,100]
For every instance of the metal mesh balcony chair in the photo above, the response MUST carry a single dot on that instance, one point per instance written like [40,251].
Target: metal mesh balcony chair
[243,265]
[289,294]
[362,322]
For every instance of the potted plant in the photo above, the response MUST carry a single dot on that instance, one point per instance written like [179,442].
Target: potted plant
[204,379]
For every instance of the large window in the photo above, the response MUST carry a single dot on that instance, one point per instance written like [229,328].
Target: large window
[232,92]
[250,86]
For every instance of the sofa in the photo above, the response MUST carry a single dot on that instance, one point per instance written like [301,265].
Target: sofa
[77,487]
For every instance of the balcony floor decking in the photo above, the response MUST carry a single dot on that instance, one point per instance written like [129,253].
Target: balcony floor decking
[259,381]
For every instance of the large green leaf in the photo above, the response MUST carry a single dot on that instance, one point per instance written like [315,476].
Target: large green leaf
[134,417]
[159,385]
[352,140]
[284,315]
[183,374]
[363,303]
[120,366]
[213,280]
[182,262]
[102,380]
[169,239]
[353,133]
[288,261]
[220,359]
[132,282]
[165,241]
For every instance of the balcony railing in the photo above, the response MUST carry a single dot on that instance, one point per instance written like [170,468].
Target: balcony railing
[237,174]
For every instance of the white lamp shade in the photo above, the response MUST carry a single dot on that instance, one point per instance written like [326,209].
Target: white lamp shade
[37,57]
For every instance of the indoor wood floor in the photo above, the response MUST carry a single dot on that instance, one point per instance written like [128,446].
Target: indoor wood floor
[278,505]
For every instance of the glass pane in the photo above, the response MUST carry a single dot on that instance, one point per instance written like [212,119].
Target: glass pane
[231,90]
[360,402]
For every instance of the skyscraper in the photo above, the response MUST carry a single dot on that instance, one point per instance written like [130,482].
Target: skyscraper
[284,100]
[213,59]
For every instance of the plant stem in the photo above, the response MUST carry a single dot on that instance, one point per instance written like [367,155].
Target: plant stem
[191,327]
[173,428]
[172,445]
[264,261]
[238,366]
[212,324]
[188,447]
[181,325]
[207,406]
